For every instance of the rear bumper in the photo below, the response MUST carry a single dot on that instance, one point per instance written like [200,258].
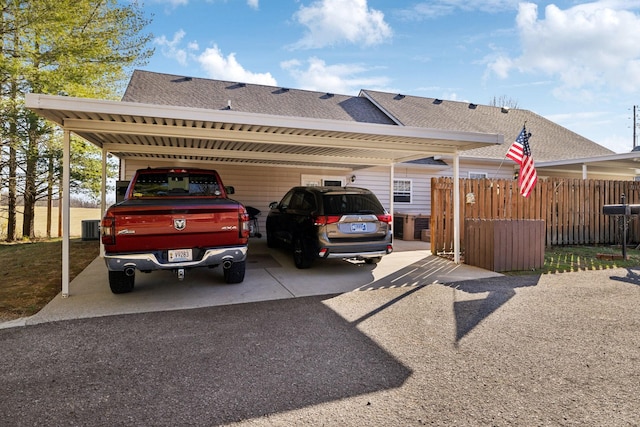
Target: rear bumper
[355,251]
[150,261]
[357,255]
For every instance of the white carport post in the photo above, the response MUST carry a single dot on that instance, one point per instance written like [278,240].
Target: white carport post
[103,195]
[66,209]
[584,171]
[456,207]
[391,174]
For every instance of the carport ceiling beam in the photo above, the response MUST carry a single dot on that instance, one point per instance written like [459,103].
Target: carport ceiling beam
[244,155]
[366,142]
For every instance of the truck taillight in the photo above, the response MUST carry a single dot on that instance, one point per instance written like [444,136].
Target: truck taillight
[243,219]
[108,230]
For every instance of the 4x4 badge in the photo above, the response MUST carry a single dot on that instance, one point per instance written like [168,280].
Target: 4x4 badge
[179,224]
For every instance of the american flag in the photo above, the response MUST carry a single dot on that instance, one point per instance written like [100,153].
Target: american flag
[520,152]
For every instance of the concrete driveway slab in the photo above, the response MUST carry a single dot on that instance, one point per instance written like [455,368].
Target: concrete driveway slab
[270,275]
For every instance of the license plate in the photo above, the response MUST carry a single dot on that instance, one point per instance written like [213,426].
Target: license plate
[358,226]
[179,255]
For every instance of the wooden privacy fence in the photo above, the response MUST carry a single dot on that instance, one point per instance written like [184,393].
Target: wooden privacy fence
[570,208]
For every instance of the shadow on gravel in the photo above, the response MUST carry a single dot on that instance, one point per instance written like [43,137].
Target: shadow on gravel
[469,313]
[208,366]
[633,276]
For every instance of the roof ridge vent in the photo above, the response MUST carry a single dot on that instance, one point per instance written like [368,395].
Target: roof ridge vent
[399,96]
[472,106]
[505,109]
[437,101]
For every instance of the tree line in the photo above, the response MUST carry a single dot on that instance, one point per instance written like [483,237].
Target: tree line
[80,48]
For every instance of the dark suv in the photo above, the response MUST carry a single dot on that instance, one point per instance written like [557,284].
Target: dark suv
[330,222]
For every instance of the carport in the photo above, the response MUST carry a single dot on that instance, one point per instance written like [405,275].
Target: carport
[134,130]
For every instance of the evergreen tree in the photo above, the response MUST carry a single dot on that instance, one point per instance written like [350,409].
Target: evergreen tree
[80,48]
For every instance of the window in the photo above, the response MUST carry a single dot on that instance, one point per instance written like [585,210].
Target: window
[477,175]
[175,184]
[402,191]
[317,180]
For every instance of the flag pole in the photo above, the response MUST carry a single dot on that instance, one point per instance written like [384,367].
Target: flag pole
[524,126]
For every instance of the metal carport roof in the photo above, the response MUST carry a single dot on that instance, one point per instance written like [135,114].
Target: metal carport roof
[128,129]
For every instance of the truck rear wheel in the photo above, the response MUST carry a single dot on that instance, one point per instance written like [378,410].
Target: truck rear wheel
[120,283]
[235,273]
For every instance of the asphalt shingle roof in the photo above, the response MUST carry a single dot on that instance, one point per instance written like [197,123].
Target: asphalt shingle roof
[549,141]
[165,89]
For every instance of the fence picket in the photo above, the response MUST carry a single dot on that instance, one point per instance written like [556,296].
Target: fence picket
[572,209]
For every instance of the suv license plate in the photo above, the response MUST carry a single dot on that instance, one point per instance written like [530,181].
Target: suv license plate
[358,226]
[179,255]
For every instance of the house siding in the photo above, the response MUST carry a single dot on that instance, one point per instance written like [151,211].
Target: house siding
[258,186]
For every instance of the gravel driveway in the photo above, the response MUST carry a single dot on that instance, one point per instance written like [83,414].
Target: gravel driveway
[552,350]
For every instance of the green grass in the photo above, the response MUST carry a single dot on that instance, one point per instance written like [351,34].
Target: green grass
[563,259]
[31,273]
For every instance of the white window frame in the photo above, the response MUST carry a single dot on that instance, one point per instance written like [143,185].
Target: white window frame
[477,175]
[403,193]
[318,180]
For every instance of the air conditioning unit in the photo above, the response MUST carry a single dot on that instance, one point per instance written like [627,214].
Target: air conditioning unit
[91,229]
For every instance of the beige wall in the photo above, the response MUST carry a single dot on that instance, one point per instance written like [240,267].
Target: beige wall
[257,186]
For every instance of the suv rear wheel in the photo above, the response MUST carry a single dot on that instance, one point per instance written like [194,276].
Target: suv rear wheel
[271,240]
[302,257]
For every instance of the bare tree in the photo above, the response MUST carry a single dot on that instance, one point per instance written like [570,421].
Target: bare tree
[504,101]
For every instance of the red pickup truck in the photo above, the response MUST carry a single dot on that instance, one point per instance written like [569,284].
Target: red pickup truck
[174,219]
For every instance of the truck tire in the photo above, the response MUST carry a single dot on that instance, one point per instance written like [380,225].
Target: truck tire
[301,255]
[120,283]
[235,273]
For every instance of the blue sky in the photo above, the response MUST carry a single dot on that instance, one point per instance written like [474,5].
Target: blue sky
[576,63]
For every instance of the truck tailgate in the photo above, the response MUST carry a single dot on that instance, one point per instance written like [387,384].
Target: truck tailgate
[144,227]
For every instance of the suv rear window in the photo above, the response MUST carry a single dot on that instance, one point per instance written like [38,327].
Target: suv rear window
[338,204]
[175,184]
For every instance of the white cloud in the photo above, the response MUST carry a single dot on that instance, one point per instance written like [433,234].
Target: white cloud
[217,66]
[435,9]
[172,4]
[339,78]
[172,48]
[332,22]
[211,60]
[253,4]
[589,47]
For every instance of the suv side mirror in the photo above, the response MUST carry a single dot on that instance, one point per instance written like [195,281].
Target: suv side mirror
[273,205]
[229,189]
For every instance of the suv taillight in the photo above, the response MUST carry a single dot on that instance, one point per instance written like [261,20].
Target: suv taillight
[108,230]
[385,218]
[326,219]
